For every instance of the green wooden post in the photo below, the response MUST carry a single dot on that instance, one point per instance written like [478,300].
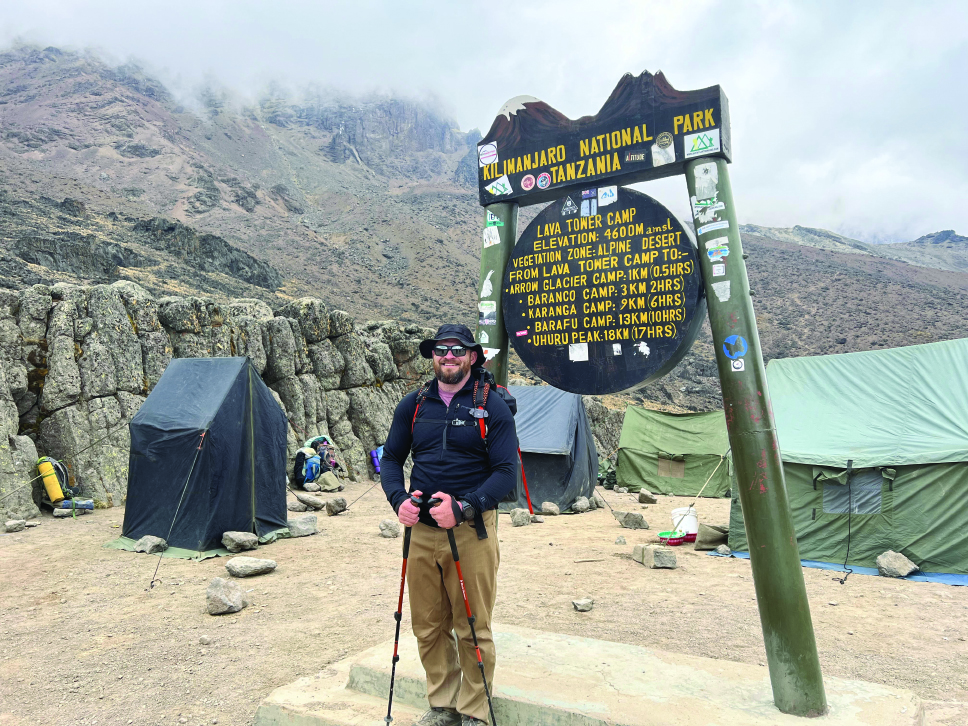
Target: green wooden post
[791,647]
[503,218]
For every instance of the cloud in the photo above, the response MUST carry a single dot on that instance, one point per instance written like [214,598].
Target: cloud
[846,116]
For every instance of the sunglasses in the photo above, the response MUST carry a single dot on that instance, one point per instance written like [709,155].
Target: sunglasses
[458,351]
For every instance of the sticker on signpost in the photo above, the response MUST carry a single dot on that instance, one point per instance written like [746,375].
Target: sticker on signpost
[735,347]
[712,227]
[578,352]
[589,193]
[490,353]
[719,270]
[589,207]
[607,195]
[487,286]
[701,144]
[491,237]
[706,211]
[544,180]
[569,207]
[500,187]
[488,312]
[527,182]
[663,150]
[722,290]
[487,154]
[483,338]
[707,179]
[493,220]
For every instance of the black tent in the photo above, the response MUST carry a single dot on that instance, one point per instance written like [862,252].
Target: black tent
[208,452]
[557,447]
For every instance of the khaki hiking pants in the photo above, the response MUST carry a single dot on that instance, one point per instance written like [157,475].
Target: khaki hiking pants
[437,609]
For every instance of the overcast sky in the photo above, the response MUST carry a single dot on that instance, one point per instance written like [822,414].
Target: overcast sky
[849,116]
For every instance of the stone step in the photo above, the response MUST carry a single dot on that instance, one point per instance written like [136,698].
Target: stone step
[549,679]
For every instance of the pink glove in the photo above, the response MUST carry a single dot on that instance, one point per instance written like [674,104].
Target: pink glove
[443,513]
[408,514]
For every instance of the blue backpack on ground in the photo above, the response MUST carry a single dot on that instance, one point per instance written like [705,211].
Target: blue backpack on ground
[311,468]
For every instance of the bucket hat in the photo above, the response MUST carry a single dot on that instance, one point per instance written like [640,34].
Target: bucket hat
[460,333]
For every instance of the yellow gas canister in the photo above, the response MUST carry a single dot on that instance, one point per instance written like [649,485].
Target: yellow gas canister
[51,482]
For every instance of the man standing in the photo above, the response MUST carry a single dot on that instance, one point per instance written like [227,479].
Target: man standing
[470,474]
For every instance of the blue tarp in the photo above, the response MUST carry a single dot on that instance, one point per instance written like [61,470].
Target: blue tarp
[945,578]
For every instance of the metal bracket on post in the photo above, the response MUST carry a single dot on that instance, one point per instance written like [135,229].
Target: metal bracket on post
[500,234]
[791,647]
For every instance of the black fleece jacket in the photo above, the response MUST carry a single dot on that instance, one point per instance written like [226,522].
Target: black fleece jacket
[449,454]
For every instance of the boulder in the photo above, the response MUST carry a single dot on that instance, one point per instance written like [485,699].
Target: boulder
[710,536]
[224,596]
[580,505]
[520,517]
[537,519]
[656,557]
[583,605]
[646,497]
[15,525]
[894,564]
[389,528]
[302,526]
[310,501]
[335,506]
[239,541]
[249,566]
[599,500]
[634,520]
[621,490]
[550,508]
[723,550]
[148,543]
[296,506]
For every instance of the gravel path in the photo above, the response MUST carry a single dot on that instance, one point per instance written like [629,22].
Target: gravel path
[84,642]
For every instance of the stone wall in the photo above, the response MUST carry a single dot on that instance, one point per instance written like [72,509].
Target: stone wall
[77,362]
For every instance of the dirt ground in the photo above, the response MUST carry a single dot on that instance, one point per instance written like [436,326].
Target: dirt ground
[84,642]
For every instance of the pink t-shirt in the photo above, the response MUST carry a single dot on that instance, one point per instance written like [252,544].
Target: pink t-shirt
[446,397]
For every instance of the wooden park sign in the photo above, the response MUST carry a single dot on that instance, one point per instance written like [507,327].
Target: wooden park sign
[604,292]
[646,130]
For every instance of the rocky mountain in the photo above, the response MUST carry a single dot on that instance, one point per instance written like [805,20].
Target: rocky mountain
[368,204]
[944,250]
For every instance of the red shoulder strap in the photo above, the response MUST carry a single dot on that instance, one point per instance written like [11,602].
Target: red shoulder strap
[481,405]
[421,395]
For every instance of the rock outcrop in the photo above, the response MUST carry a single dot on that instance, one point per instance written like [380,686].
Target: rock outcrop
[76,363]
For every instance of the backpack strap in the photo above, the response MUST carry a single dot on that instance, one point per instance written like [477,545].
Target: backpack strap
[480,402]
[421,395]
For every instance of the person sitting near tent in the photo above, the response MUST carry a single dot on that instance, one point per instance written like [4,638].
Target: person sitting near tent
[470,475]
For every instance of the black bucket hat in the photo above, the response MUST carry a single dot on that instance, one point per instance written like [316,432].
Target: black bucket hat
[459,333]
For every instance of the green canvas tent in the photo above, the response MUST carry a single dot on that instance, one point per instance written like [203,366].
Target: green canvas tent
[673,453]
[899,418]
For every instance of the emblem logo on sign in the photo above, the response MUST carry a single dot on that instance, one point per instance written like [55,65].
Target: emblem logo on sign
[568,207]
[527,183]
[705,142]
[544,181]
[487,154]
[734,347]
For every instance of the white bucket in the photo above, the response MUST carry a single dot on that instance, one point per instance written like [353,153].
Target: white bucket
[689,517]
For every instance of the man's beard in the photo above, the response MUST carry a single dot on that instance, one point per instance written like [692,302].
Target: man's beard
[451,376]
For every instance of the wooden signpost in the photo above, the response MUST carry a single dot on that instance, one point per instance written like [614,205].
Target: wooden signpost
[604,292]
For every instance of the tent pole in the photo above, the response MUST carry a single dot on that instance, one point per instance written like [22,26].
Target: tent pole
[791,647]
[502,217]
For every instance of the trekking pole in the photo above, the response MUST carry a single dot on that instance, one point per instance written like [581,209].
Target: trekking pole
[524,479]
[470,617]
[398,615]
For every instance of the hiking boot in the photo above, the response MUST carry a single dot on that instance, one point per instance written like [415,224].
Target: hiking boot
[471,721]
[439,717]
